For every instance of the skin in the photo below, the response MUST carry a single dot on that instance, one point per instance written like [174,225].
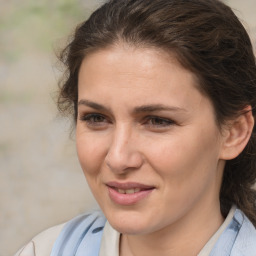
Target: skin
[176,149]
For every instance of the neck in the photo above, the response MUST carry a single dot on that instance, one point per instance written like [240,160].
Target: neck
[187,237]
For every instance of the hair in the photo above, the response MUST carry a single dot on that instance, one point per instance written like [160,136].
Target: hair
[208,39]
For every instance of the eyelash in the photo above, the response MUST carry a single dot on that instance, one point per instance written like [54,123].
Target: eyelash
[160,122]
[90,119]
[98,120]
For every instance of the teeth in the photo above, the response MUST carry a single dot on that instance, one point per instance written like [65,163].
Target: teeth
[128,191]
[121,191]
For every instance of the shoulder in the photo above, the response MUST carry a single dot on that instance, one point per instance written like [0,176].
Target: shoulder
[245,243]
[67,237]
[41,244]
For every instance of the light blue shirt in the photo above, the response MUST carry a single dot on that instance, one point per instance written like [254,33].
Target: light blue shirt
[238,239]
[82,237]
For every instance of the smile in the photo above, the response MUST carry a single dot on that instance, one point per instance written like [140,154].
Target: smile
[128,193]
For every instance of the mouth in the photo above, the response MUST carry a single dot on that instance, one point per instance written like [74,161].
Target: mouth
[130,190]
[128,187]
[128,193]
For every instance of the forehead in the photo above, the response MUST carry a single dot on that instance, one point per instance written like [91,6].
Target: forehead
[129,75]
[143,57]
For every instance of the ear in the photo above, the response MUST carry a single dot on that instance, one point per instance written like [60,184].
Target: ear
[237,134]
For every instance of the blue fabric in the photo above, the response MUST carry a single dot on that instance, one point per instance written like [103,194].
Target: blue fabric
[82,237]
[239,238]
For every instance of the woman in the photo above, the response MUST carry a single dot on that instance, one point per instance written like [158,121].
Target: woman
[163,95]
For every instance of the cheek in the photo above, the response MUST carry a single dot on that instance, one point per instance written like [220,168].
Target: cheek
[167,154]
[186,157]
[187,168]
[90,153]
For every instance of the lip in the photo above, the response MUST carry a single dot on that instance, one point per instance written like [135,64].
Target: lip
[128,199]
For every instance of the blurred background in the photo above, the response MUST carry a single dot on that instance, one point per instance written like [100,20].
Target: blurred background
[41,183]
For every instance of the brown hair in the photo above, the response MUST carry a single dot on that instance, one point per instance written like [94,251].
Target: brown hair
[208,39]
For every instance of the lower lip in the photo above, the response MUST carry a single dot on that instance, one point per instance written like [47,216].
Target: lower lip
[127,199]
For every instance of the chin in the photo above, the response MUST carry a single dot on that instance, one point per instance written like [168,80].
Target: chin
[130,229]
[129,223]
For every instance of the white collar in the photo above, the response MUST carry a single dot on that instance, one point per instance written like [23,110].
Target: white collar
[210,244]
[110,241]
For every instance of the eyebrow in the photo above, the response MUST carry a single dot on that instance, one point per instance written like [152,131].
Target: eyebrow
[157,107]
[137,110]
[93,105]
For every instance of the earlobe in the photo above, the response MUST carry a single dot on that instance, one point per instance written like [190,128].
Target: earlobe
[237,134]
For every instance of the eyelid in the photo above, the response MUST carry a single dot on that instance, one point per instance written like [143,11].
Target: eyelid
[167,121]
[150,121]
[85,116]
[85,110]
[87,119]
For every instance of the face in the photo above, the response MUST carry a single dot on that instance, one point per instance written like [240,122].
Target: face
[147,140]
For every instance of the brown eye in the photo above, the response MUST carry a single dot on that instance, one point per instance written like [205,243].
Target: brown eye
[94,120]
[159,122]
[97,119]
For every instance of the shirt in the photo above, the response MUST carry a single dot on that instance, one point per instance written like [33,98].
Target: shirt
[92,235]
[111,237]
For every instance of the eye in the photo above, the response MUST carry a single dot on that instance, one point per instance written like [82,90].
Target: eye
[94,120]
[158,122]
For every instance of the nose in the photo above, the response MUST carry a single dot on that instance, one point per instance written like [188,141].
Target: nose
[123,153]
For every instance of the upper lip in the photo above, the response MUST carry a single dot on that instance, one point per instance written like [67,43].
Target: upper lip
[128,185]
